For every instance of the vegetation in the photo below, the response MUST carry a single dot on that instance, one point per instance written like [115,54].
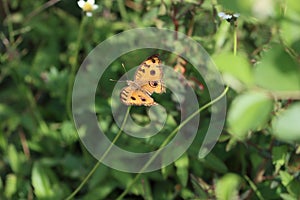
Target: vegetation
[43,44]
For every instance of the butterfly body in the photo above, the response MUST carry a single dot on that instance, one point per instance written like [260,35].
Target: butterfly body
[147,79]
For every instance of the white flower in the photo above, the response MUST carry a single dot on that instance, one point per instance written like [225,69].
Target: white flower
[87,6]
[228,16]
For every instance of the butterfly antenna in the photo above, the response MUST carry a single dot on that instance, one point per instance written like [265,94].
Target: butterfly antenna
[125,75]
[125,71]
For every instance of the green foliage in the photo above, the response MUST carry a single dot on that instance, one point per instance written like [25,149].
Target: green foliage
[228,187]
[248,112]
[277,71]
[281,124]
[42,44]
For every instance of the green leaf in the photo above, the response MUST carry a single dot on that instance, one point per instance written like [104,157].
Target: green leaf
[167,171]
[200,187]
[185,193]
[286,178]
[99,175]
[286,126]
[215,163]
[286,196]
[147,193]
[238,6]
[228,186]
[10,185]
[1,184]
[293,5]
[237,67]
[279,156]
[123,178]
[249,111]
[254,187]
[290,23]
[14,159]
[294,188]
[68,132]
[9,117]
[292,185]
[182,172]
[101,191]
[277,71]
[41,182]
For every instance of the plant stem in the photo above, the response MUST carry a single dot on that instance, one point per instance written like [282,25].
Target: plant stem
[40,9]
[234,40]
[254,188]
[122,9]
[74,62]
[101,159]
[167,140]
[9,22]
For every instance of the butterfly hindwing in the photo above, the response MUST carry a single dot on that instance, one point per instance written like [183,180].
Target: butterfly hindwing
[137,97]
[154,86]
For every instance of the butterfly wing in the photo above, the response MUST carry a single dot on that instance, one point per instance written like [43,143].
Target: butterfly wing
[135,96]
[149,75]
[154,86]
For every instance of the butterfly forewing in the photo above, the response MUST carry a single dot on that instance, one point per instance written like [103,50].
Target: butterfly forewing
[147,79]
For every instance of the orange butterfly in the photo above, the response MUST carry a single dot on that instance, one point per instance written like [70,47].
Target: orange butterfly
[147,79]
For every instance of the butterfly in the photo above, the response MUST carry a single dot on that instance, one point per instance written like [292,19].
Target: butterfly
[147,79]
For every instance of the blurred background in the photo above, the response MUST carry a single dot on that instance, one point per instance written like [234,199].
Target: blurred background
[255,44]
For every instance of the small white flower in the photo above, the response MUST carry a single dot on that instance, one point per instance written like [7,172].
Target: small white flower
[87,6]
[228,16]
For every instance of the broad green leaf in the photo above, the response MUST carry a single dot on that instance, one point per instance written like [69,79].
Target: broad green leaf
[215,163]
[286,126]
[14,159]
[182,171]
[185,193]
[3,140]
[277,71]
[228,186]
[249,111]
[10,185]
[41,182]
[289,25]
[236,66]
